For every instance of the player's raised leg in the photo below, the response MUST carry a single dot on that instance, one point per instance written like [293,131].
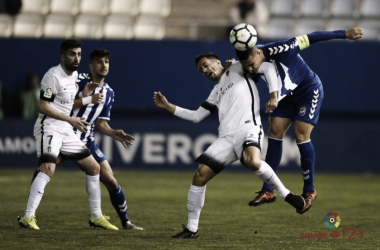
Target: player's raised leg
[92,170]
[277,129]
[195,201]
[116,195]
[252,159]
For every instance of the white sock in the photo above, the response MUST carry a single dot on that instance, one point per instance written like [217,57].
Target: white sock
[195,202]
[36,192]
[267,174]
[93,191]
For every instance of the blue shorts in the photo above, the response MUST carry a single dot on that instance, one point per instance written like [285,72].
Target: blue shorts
[303,104]
[96,152]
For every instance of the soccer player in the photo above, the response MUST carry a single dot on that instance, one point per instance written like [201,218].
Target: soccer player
[54,135]
[302,93]
[97,98]
[236,98]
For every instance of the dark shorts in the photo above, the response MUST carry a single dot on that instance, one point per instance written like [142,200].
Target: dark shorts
[303,104]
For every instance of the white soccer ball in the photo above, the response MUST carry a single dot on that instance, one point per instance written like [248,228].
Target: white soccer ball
[243,36]
[332,220]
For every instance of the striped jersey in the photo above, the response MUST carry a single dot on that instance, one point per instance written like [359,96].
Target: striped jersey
[59,89]
[93,111]
[237,100]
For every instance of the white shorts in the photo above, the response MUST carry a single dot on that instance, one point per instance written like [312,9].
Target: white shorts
[228,149]
[51,141]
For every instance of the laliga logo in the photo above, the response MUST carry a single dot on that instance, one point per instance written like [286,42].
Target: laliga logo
[332,220]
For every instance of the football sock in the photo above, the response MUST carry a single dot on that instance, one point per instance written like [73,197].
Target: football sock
[36,192]
[267,174]
[119,203]
[307,164]
[273,156]
[35,174]
[195,202]
[93,192]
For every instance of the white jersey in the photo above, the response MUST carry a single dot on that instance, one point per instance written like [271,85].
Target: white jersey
[237,99]
[59,89]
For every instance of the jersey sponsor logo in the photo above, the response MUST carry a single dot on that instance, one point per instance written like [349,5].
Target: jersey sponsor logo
[223,91]
[302,111]
[48,92]
[64,102]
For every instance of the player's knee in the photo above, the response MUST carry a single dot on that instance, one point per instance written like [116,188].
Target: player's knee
[91,168]
[253,163]
[276,133]
[301,137]
[200,178]
[48,169]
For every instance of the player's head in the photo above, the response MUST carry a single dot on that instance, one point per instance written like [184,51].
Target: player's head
[249,59]
[210,66]
[100,63]
[71,52]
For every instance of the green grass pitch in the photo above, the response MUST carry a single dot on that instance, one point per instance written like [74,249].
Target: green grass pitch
[157,202]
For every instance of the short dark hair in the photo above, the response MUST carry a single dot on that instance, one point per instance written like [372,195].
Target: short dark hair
[99,53]
[207,55]
[71,43]
[243,55]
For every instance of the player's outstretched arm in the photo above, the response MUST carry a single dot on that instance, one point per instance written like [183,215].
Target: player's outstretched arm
[77,122]
[354,33]
[118,134]
[161,102]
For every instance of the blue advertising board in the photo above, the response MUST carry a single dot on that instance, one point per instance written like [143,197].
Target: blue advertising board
[167,142]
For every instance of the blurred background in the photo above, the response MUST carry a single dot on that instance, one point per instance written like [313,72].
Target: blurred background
[153,44]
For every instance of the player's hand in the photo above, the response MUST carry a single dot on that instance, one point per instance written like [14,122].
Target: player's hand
[97,98]
[78,123]
[160,100]
[354,33]
[271,105]
[122,137]
[89,88]
[228,63]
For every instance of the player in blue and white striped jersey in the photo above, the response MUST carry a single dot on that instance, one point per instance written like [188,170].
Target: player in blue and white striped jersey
[301,92]
[93,103]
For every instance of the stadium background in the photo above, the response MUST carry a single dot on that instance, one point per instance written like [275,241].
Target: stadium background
[346,138]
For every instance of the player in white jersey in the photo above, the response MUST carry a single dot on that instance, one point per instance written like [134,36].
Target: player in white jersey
[54,135]
[236,98]
[94,102]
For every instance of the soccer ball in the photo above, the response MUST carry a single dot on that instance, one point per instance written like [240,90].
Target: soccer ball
[243,36]
[332,220]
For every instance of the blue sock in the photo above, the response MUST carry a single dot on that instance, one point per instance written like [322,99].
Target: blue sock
[307,164]
[273,157]
[119,203]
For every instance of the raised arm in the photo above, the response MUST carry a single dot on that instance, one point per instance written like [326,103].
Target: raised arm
[306,40]
[186,114]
